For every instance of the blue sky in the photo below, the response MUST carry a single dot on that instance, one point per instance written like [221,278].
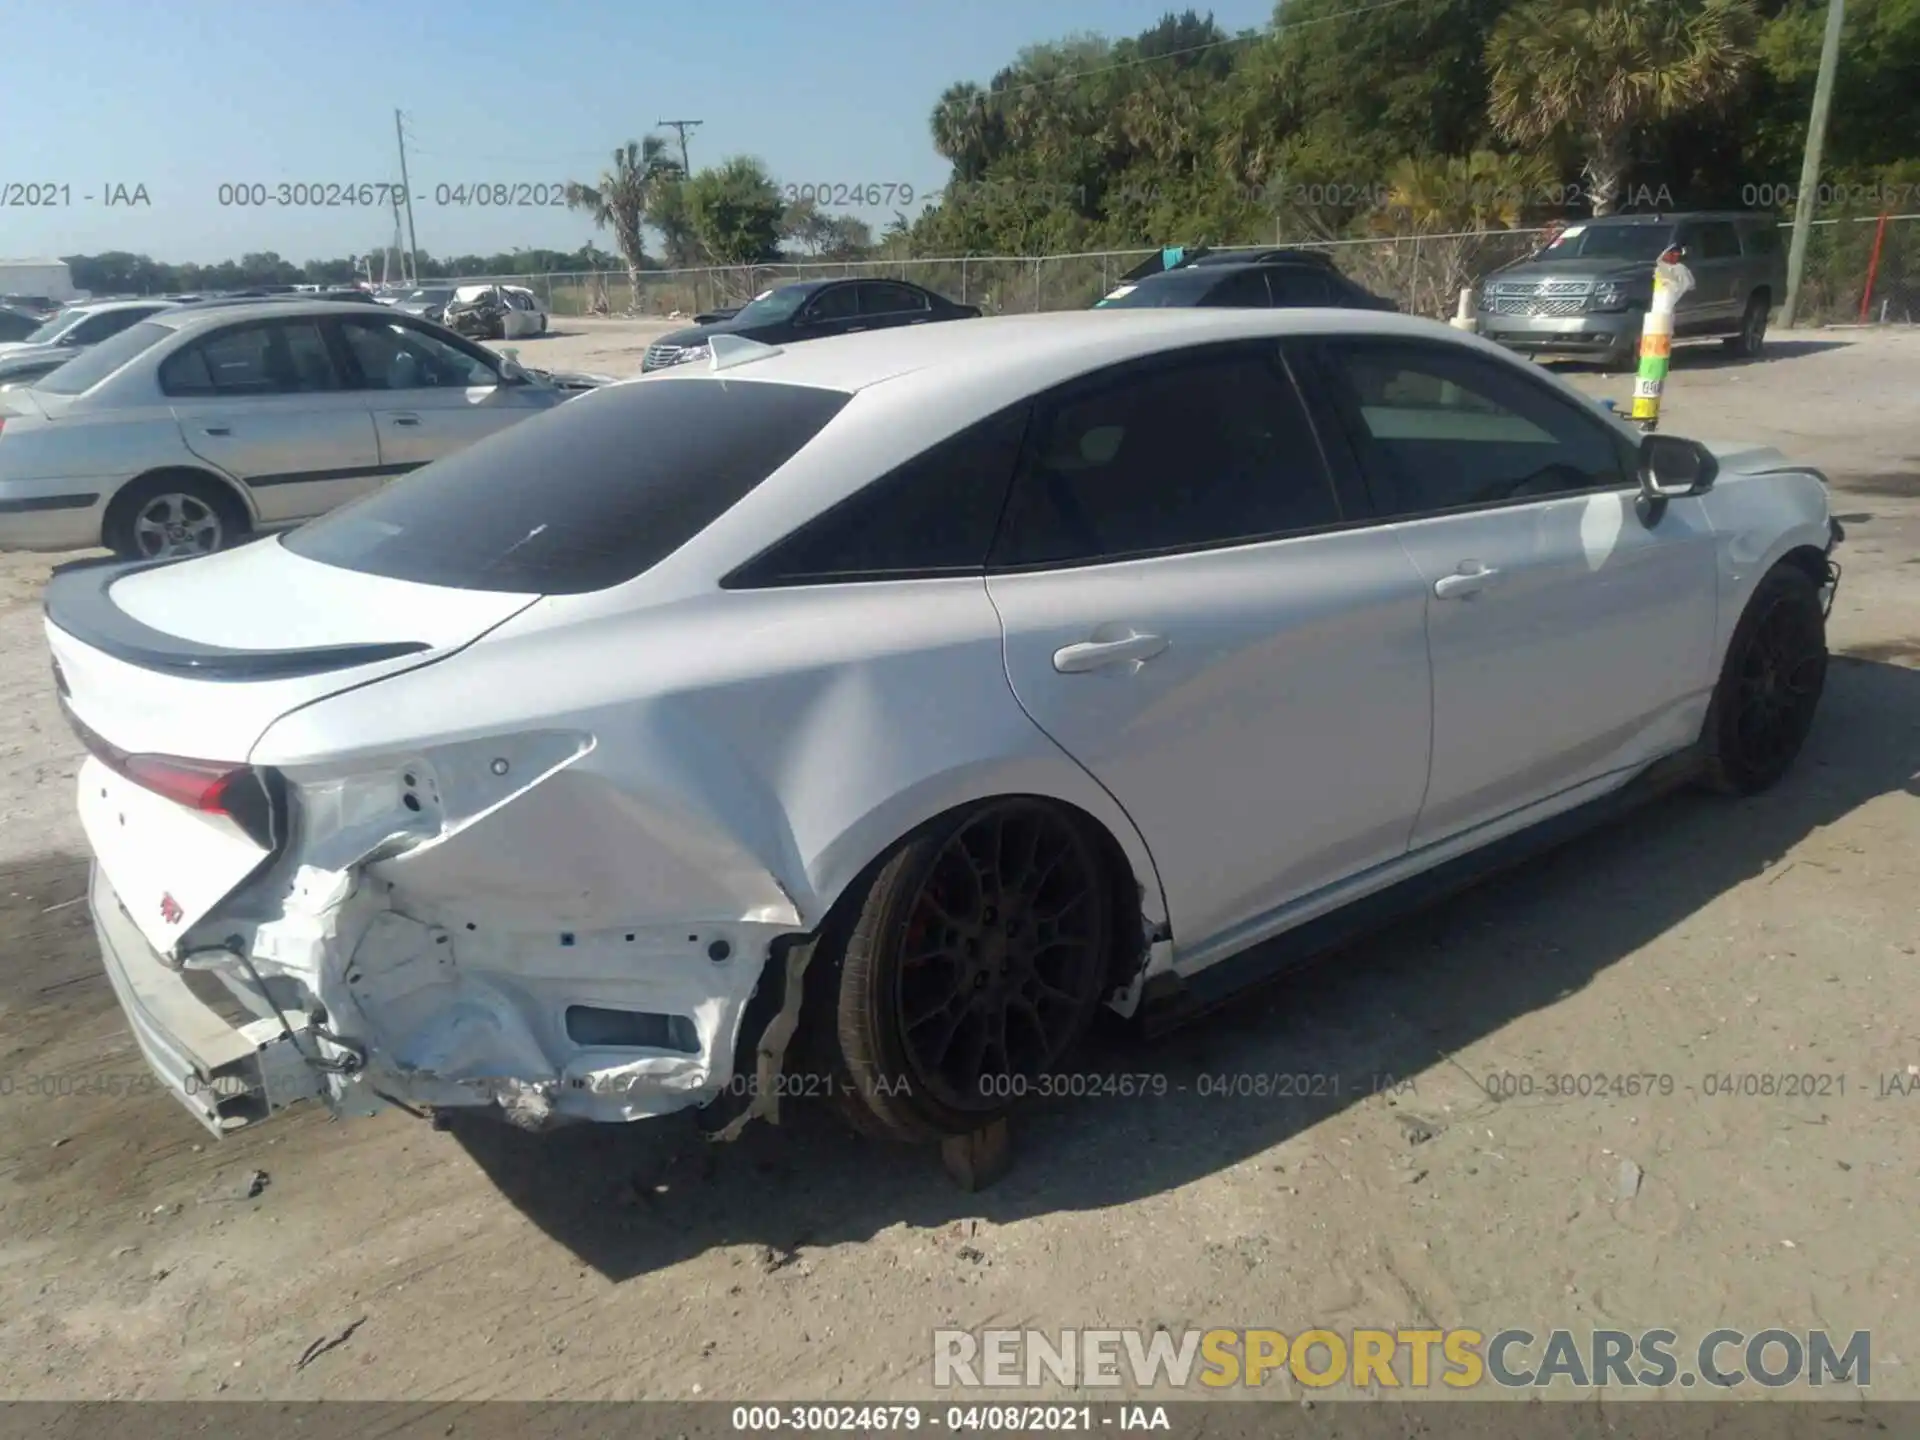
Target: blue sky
[184,96]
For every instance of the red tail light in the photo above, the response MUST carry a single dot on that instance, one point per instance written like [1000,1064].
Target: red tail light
[197,784]
[213,787]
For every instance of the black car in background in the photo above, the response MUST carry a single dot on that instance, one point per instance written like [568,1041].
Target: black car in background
[17,324]
[811,310]
[1244,280]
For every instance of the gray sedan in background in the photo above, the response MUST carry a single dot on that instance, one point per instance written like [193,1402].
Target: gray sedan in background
[190,430]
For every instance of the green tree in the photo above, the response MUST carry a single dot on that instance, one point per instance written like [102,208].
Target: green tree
[620,199]
[735,212]
[1597,71]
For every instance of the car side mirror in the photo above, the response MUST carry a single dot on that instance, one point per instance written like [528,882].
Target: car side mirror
[1671,467]
[513,373]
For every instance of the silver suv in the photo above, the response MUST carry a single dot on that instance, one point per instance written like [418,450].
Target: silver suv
[1585,294]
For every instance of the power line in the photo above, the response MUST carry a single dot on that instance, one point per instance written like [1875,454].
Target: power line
[682,126]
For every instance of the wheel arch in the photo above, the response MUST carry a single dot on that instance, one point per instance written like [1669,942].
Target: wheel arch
[842,871]
[224,483]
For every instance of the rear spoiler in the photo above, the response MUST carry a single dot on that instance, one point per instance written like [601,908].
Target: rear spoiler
[77,601]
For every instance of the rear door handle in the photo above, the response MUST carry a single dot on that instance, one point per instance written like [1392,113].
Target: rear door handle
[1470,579]
[1135,649]
[405,419]
[218,429]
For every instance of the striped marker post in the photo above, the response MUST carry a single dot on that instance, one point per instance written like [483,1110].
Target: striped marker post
[1671,280]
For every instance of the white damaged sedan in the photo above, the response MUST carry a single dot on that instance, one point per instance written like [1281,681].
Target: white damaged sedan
[881,709]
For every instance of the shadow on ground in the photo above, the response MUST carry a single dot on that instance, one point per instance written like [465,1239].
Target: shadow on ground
[1707,355]
[630,1199]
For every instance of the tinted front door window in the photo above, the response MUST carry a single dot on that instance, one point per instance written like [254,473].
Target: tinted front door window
[1439,429]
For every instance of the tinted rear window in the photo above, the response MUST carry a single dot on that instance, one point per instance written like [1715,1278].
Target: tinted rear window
[588,495]
[90,367]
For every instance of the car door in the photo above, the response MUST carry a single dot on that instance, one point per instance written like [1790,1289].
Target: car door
[884,304]
[832,311]
[264,401]
[429,395]
[1570,632]
[1190,615]
[1713,256]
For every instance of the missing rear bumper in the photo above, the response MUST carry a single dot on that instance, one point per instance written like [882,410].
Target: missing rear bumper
[228,1076]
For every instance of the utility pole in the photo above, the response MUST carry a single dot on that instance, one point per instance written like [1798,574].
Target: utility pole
[406,195]
[1810,166]
[686,167]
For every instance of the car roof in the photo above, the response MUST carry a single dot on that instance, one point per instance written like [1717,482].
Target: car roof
[107,307]
[1673,217]
[1281,255]
[1042,349]
[208,312]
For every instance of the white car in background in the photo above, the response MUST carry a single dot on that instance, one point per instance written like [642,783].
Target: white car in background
[495,312]
[890,704]
[202,424]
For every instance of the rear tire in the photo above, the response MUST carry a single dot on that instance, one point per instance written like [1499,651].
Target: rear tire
[174,514]
[972,968]
[1752,336]
[1770,685]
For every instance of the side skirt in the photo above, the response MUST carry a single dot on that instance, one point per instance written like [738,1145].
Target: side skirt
[1170,1001]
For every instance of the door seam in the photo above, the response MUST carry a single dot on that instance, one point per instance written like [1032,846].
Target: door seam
[1145,844]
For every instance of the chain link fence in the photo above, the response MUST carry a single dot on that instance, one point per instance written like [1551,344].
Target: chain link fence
[1423,273]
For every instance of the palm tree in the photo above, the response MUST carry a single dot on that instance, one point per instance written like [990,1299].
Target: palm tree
[964,129]
[1600,69]
[620,199]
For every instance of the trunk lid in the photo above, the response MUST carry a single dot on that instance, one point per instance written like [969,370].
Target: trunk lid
[195,660]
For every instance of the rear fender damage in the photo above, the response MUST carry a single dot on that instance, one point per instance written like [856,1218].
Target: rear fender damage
[421,943]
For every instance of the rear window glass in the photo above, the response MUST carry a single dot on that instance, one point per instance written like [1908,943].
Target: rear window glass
[588,495]
[90,367]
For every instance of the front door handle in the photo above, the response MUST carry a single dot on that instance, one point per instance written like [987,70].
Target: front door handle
[405,419]
[1470,579]
[1135,649]
[218,429]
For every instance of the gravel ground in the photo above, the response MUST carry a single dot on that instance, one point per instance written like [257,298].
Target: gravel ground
[1701,938]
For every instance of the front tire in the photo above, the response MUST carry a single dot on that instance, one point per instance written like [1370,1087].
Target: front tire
[171,516]
[1770,685]
[973,967]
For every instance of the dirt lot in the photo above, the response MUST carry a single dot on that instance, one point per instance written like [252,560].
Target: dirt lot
[1701,939]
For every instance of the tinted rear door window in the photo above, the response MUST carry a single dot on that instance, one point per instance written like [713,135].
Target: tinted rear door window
[587,495]
[1718,240]
[1299,287]
[935,515]
[877,297]
[1245,291]
[1210,449]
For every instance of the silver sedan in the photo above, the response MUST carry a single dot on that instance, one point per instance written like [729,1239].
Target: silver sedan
[189,431]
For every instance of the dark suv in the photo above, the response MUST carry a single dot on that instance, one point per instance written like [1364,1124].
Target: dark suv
[1585,294]
[1243,280]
